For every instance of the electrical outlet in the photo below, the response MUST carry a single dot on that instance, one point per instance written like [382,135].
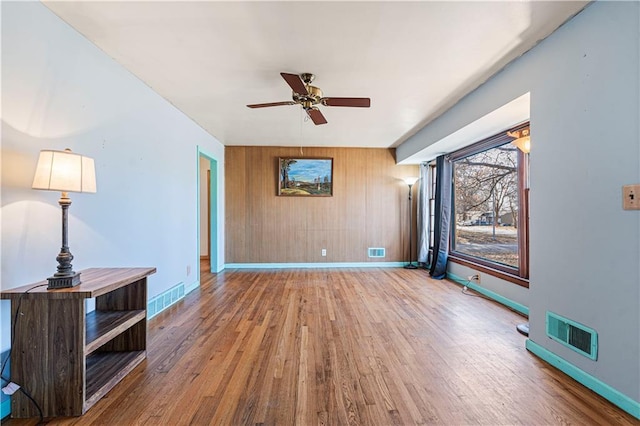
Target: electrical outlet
[188,270]
[631,197]
[475,278]
[324,252]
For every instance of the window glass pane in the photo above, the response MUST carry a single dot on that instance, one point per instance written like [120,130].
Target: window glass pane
[432,219]
[486,205]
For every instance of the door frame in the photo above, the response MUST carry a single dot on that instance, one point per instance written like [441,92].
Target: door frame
[212,185]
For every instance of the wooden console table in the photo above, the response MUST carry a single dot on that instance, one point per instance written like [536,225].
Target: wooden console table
[68,359]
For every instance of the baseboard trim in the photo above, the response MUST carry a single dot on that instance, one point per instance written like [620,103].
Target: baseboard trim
[5,408]
[5,400]
[188,289]
[518,307]
[314,265]
[612,395]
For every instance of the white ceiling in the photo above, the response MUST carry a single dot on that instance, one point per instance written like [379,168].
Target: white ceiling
[413,59]
[508,115]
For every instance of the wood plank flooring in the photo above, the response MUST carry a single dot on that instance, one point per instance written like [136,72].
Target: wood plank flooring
[341,347]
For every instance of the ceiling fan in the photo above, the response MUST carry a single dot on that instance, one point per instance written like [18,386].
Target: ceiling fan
[309,96]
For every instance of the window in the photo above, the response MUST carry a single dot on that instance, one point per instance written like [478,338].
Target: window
[432,204]
[490,211]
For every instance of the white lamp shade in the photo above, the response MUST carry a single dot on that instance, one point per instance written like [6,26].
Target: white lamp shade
[411,180]
[64,171]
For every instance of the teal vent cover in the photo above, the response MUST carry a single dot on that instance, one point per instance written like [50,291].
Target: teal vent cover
[578,337]
[376,252]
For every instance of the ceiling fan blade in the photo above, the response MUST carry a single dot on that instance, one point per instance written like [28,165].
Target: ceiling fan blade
[316,116]
[271,104]
[295,82]
[347,102]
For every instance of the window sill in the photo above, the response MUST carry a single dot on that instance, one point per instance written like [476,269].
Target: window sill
[523,282]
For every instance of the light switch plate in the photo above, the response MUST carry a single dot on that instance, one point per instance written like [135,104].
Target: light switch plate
[631,197]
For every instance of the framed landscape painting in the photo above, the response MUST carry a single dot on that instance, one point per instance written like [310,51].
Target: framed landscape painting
[305,177]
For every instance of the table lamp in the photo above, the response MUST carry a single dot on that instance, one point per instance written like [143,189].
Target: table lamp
[64,171]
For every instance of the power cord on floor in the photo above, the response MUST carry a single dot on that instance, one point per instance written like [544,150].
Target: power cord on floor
[25,393]
[13,338]
[465,290]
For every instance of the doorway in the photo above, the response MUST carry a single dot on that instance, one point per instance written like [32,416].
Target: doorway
[207,212]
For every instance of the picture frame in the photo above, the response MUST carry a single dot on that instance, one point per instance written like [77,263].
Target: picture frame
[305,177]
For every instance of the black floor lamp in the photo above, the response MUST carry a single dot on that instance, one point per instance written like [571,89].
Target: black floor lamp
[410,181]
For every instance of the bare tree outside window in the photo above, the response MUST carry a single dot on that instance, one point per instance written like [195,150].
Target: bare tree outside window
[486,205]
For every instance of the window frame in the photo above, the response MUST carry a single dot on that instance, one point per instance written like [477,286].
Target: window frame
[519,275]
[432,203]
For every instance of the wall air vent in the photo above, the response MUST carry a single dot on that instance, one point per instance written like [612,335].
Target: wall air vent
[578,337]
[376,252]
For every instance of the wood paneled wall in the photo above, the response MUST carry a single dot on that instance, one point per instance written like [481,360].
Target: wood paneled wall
[368,208]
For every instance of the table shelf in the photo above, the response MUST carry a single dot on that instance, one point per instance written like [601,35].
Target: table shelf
[105,370]
[68,359]
[102,326]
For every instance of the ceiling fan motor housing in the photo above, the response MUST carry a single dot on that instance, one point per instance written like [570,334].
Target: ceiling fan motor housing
[312,98]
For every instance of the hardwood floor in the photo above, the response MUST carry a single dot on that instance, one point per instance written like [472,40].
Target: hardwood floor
[341,346]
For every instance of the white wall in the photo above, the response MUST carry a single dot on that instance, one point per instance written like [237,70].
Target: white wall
[584,85]
[59,91]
